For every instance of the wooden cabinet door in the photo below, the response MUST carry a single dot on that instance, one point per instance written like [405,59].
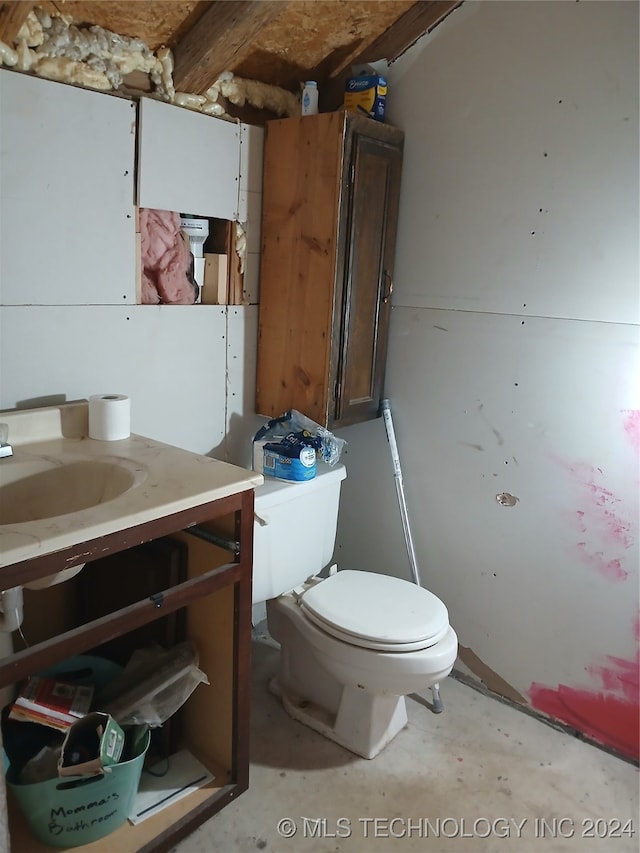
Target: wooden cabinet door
[297,319]
[330,209]
[368,225]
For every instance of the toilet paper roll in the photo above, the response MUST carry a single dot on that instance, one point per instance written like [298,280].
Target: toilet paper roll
[109,417]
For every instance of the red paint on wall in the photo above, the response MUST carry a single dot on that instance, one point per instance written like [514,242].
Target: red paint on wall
[609,715]
[606,719]
[632,426]
[611,569]
[621,677]
[606,532]
[619,530]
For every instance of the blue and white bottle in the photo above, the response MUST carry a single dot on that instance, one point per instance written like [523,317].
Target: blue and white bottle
[310,98]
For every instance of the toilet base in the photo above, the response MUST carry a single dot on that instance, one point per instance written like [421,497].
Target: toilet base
[364,724]
[352,695]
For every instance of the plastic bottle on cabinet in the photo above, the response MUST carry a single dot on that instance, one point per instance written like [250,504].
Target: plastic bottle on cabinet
[310,98]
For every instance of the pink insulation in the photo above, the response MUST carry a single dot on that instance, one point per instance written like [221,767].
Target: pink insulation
[166,260]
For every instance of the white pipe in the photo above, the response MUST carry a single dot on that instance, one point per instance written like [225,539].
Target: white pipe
[10,621]
[7,694]
[11,609]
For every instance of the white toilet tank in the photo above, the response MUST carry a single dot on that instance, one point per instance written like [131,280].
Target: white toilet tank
[294,530]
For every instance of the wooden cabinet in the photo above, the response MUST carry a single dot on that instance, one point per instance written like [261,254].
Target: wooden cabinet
[216,600]
[330,208]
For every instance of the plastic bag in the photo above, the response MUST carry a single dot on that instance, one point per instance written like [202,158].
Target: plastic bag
[153,685]
[294,428]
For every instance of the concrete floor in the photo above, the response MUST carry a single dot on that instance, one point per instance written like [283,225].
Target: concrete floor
[480,777]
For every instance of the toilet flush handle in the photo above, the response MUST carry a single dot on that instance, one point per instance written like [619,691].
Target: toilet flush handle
[262,520]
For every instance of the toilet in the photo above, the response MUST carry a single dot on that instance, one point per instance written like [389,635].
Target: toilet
[353,644]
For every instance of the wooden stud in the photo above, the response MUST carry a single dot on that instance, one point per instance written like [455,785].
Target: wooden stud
[12,17]
[216,279]
[236,278]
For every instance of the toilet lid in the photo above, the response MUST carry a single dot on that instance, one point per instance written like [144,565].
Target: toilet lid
[376,611]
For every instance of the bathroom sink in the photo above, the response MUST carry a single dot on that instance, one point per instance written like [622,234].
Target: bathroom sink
[38,488]
[64,493]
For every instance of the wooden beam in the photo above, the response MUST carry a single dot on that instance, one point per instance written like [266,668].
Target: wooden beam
[418,20]
[12,17]
[219,40]
[421,18]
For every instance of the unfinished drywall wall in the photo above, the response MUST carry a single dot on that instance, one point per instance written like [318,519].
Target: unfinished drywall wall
[69,327]
[67,202]
[513,354]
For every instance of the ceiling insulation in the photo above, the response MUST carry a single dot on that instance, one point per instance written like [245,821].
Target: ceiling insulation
[198,43]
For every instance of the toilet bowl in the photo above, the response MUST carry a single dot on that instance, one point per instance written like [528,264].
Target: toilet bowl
[353,644]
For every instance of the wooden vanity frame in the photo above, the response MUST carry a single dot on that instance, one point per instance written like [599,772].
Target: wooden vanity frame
[153,834]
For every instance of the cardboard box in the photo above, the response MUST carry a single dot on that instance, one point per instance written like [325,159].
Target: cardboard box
[93,743]
[366,93]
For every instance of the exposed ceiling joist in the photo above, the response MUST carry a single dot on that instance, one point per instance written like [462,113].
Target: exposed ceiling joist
[12,17]
[223,36]
[416,21]
[419,19]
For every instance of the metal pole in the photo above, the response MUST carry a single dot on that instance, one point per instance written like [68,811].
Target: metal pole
[397,474]
[436,705]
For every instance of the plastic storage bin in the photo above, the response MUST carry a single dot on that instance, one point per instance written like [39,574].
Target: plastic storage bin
[70,811]
[78,809]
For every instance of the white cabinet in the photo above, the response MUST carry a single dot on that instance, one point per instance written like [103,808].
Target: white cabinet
[66,194]
[188,162]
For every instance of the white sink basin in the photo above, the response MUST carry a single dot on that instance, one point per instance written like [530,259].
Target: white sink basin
[38,488]
[61,489]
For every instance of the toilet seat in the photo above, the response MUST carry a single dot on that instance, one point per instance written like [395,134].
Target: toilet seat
[375,611]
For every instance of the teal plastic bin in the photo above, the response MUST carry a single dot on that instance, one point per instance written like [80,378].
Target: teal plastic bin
[75,810]
[85,669]
[79,809]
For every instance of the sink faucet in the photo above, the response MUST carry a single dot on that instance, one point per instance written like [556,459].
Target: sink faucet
[5,447]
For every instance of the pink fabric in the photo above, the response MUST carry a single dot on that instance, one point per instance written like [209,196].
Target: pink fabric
[166,259]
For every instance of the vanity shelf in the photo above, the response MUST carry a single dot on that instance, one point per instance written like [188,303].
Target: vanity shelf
[217,602]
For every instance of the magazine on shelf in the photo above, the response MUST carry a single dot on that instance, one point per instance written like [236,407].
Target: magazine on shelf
[50,702]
